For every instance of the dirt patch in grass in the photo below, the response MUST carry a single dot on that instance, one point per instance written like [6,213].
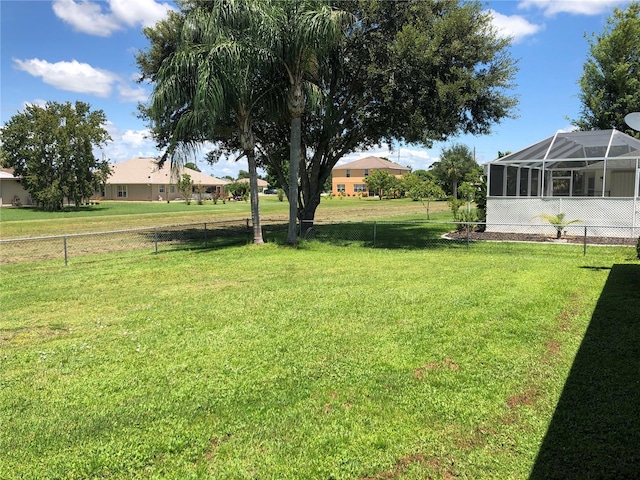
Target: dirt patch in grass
[476,439]
[214,443]
[443,468]
[446,364]
[26,334]
[527,398]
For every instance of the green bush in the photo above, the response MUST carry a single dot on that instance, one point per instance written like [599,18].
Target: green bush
[638,248]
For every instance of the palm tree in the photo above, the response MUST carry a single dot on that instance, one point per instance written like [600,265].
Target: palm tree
[302,30]
[213,84]
[558,221]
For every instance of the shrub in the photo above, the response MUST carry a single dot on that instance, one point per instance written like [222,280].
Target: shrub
[638,248]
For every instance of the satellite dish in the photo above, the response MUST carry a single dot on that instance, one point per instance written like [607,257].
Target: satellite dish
[633,120]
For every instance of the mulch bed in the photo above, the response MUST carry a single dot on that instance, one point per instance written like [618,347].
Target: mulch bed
[532,237]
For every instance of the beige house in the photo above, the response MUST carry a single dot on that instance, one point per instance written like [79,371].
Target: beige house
[262,184]
[140,179]
[349,178]
[11,191]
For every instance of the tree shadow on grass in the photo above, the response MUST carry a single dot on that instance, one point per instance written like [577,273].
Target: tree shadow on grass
[405,236]
[595,430]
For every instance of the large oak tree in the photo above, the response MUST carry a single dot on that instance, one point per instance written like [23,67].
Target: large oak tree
[51,148]
[415,71]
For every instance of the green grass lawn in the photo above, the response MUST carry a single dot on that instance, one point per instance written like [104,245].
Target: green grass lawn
[32,222]
[318,362]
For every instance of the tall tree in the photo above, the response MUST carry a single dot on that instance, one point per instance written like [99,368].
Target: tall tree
[455,163]
[51,148]
[211,84]
[610,82]
[415,71]
[303,32]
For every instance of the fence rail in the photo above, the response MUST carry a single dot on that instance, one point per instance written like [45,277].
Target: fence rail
[375,234]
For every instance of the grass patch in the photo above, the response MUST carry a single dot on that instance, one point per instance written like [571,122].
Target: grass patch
[270,362]
[31,222]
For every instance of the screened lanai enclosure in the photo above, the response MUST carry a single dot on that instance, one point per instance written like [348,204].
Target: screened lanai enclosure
[592,176]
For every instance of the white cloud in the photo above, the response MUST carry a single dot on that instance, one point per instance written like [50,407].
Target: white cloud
[136,138]
[86,17]
[132,94]
[567,129]
[143,12]
[126,144]
[71,76]
[82,78]
[38,102]
[576,7]
[514,26]
[91,18]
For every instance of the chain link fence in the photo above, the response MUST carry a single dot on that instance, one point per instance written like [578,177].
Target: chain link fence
[427,234]
[145,240]
[378,234]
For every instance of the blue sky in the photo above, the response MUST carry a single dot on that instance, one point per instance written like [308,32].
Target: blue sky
[68,50]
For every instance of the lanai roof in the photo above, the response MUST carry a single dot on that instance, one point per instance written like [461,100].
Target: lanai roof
[590,146]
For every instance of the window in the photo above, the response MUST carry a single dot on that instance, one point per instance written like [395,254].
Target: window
[366,172]
[348,173]
[172,189]
[161,189]
[341,188]
[122,191]
[359,187]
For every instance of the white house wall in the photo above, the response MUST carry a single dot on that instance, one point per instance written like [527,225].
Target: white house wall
[603,216]
[11,188]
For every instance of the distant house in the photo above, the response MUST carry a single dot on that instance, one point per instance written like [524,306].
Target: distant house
[11,190]
[593,176]
[349,178]
[262,184]
[140,179]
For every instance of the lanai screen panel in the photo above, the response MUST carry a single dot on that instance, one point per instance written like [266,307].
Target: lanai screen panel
[589,163]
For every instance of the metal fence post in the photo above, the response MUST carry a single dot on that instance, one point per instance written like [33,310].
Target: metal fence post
[155,238]
[375,231]
[64,242]
[205,234]
[467,227]
[584,253]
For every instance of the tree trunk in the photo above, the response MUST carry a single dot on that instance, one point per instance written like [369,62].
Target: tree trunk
[253,194]
[294,170]
[308,212]
[296,109]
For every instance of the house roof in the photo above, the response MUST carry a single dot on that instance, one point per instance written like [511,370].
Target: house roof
[567,148]
[373,163]
[261,183]
[146,171]
[7,173]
